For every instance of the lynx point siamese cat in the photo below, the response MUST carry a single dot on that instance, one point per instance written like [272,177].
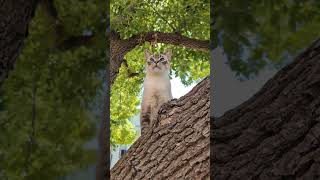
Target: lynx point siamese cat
[157,87]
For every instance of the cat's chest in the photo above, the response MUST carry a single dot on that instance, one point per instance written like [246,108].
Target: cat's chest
[156,85]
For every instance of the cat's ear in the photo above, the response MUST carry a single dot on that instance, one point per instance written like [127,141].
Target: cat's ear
[147,54]
[168,53]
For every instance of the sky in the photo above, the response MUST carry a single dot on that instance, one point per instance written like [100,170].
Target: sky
[178,89]
[229,92]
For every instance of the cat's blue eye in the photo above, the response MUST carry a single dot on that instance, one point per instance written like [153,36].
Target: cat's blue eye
[152,59]
[164,62]
[161,59]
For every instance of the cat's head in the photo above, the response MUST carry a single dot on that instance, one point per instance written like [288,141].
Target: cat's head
[158,64]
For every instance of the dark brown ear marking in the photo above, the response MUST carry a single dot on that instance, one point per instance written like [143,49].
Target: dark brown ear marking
[145,120]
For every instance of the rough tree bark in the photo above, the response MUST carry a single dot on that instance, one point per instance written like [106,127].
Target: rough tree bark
[276,133]
[177,146]
[273,135]
[15,17]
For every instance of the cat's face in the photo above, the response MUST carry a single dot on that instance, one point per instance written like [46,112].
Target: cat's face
[158,64]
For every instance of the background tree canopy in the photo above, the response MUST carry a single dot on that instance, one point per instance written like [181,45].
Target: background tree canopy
[47,102]
[189,18]
[255,33]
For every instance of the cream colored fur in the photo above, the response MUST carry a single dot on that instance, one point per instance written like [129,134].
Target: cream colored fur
[157,88]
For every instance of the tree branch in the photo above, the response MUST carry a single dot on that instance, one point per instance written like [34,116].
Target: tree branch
[273,135]
[169,38]
[119,47]
[50,8]
[161,17]
[76,41]
[70,41]
[130,73]
[52,13]
[177,145]
[31,142]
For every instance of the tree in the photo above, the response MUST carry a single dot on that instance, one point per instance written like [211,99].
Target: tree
[263,137]
[256,34]
[177,146]
[135,26]
[49,98]
[148,156]
[307,12]
[14,29]
[248,142]
[275,134]
[138,25]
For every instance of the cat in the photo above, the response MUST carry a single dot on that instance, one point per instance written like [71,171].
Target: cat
[157,87]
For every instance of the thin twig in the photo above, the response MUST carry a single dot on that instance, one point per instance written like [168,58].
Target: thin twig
[130,74]
[164,19]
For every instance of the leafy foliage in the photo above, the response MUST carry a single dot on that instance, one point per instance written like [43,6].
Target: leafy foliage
[45,118]
[255,33]
[189,17]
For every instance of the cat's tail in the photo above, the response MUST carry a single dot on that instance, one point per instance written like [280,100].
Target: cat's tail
[145,120]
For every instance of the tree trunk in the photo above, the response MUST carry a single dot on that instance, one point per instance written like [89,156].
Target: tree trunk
[15,17]
[276,133]
[177,146]
[273,135]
